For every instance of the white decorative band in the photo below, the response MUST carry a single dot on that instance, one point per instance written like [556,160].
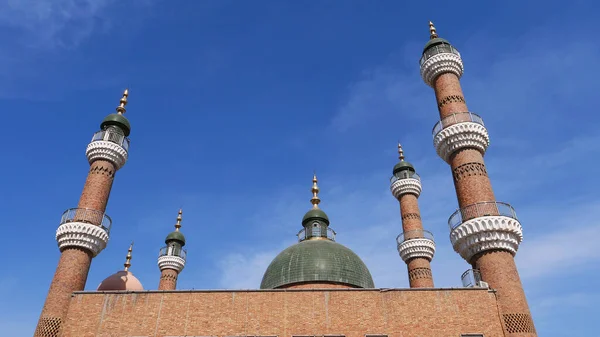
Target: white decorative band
[485,233]
[439,64]
[459,136]
[83,235]
[401,187]
[171,262]
[102,149]
[421,247]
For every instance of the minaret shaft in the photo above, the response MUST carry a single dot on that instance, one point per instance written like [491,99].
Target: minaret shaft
[98,185]
[168,279]
[419,268]
[472,185]
[470,177]
[74,264]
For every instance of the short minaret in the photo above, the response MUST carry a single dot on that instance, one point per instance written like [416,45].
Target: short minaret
[83,231]
[486,233]
[171,259]
[415,245]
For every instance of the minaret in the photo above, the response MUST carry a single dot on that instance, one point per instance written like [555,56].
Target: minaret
[83,231]
[415,245]
[171,259]
[486,233]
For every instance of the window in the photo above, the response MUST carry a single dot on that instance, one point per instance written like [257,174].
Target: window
[471,335]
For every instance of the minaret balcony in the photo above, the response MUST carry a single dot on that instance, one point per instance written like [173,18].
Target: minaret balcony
[173,251]
[316,232]
[171,257]
[405,182]
[442,48]
[108,145]
[472,278]
[483,226]
[85,228]
[416,243]
[458,131]
[439,59]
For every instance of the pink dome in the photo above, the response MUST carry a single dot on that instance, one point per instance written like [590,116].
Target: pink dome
[121,280]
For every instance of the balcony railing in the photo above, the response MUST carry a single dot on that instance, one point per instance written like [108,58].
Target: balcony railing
[173,251]
[315,232]
[455,118]
[406,174]
[438,49]
[414,234]
[471,278]
[112,136]
[86,215]
[479,209]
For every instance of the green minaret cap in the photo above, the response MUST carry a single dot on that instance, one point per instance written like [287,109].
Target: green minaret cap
[315,213]
[402,165]
[434,39]
[176,235]
[118,119]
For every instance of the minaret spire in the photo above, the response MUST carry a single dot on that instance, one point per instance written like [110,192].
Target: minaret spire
[315,200]
[432,32]
[123,102]
[400,152]
[178,223]
[127,263]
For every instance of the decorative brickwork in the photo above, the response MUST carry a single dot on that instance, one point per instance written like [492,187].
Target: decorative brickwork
[518,323]
[450,99]
[103,170]
[168,279]
[48,327]
[469,169]
[411,216]
[418,273]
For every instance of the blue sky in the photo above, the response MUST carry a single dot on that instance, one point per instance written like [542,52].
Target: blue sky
[233,105]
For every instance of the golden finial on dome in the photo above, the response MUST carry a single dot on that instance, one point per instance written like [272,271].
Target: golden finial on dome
[123,102]
[432,32]
[127,263]
[315,190]
[178,223]
[400,152]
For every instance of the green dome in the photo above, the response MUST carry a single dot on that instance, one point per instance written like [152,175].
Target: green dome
[317,261]
[118,120]
[315,214]
[175,236]
[402,166]
[433,42]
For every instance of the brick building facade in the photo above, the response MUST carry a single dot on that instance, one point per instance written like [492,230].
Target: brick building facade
[316,287]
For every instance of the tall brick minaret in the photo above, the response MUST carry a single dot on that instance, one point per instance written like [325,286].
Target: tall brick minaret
[486,233]
[83,231]
[171,259]
[415,245]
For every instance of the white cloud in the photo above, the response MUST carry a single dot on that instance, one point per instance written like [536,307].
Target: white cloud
[54,23]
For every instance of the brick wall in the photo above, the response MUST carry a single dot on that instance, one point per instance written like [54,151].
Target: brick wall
[285,313]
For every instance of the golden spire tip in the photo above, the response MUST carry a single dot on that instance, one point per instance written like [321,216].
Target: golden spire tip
[127,263]
[315,191]
[400,152]
[432,32]
[178,223]
[123,102]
